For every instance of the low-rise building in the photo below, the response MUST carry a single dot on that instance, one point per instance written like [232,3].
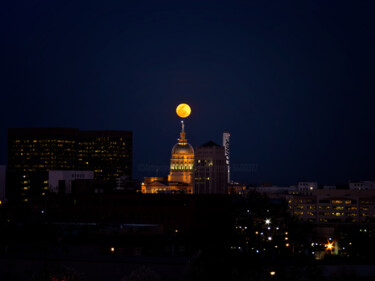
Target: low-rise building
[61,181]
[334,206]
[362,185]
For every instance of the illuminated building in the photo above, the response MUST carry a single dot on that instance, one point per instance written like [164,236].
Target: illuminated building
[236,188]
[180,179]
[21,186]
[334,206]
[182,160]
[211,170]
[32,152]
[107,153]
[307,187]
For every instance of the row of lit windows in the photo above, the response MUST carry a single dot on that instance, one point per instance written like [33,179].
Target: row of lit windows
[336,214]
[341,201]
[181,167]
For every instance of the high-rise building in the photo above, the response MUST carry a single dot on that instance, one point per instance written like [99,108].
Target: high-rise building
[107,153]
[210,169]
[32,152]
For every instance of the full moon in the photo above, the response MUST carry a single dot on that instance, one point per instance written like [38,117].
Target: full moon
[183,110]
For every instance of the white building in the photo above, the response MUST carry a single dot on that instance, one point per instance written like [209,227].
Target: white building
[61,181]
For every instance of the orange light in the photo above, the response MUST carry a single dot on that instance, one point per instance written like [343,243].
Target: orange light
[329,246]
[272,273]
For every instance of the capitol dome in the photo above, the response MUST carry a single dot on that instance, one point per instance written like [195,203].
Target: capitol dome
[182,149]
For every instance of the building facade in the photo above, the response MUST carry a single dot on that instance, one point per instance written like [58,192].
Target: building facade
[107,153]
[182,160]
[33,152]
[61,181]
[334,206]
[362,185]
[211,170]
[180,179]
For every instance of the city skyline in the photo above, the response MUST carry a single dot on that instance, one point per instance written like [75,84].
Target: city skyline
[293,84]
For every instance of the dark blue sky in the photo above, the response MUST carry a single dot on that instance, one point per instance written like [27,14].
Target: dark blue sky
[293,81]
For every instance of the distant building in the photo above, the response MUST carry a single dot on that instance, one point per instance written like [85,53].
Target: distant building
[237,188]
[125,184]
[362,185]
[2,183]
[307,187]
[32,152]
[162,185]
[61,181]
[211,170]
[22,186]
[272,190]
[180,179]
[107,153]
[334,206]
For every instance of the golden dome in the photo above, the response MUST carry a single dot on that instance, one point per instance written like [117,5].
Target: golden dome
[182,149]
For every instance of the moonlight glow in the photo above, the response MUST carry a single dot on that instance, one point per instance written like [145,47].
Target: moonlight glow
[183,110]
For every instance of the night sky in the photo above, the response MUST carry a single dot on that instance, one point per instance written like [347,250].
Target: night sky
[292,81]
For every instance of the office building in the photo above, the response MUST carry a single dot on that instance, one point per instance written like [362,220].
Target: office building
[32,152]
[324,206]
[107,153]
[211,170]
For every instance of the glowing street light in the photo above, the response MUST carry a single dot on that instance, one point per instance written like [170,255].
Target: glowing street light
[329,246]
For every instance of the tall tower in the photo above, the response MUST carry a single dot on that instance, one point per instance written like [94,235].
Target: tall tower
[226,137]
[182,160]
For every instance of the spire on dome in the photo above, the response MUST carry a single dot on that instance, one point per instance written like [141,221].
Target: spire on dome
[182,140]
